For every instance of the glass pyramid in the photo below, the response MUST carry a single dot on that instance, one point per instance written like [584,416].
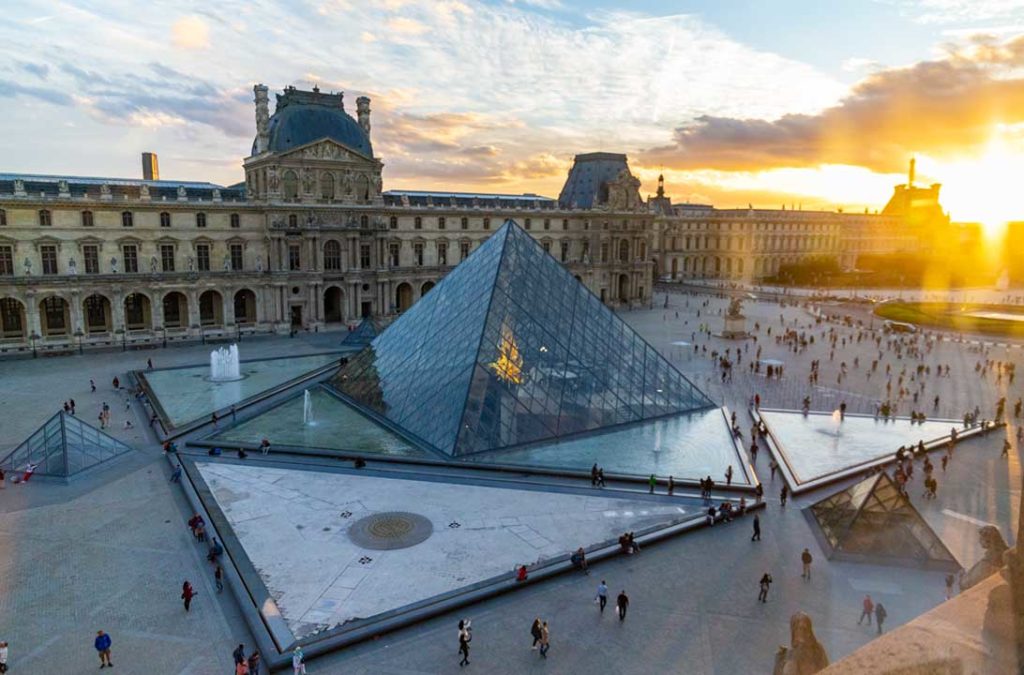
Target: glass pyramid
[872,522]
[363,333]
[62,447]
[509,349]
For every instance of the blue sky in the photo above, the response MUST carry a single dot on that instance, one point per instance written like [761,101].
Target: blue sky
[735,100]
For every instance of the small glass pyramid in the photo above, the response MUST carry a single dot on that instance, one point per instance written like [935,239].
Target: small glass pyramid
[872,522]
[510,349]
[363,333]
[62,447]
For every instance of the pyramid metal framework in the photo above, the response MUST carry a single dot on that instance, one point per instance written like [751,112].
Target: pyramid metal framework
[62,447]
[363,334]
[872,522]
[510,349]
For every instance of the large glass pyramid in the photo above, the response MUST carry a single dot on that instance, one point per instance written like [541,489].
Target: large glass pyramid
[872,522]
[62,447]
[509,349]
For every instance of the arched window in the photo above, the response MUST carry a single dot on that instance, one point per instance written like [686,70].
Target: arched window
[332,255]
[290,185]
[327,185]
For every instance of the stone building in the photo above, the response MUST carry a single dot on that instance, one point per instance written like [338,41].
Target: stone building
[309,240]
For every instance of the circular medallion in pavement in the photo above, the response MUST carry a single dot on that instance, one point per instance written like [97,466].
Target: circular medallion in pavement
[391,530]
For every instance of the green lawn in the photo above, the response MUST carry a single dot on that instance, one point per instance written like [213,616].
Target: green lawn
[952,317]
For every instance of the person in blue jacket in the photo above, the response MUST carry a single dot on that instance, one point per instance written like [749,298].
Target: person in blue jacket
[102,645]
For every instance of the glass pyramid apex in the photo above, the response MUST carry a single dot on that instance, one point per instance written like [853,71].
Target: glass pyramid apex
[871,521]
[62,447]
[363,334]
[508,349]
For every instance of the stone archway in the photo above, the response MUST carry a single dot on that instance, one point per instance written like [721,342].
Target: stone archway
[13,324]
[138,313]
[211,309]
[403,297]
[175,306]
[54,316]
[425,288]
[334,305]
[96,314]
[245,307]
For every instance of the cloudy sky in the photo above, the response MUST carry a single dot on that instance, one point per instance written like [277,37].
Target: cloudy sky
[736,101]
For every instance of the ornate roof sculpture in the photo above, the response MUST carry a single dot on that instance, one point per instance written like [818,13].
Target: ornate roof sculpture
[872,522]
[600,179]
[62,447]
[510,349]
[302,117]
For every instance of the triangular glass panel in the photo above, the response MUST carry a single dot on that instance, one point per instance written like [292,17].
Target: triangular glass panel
[511,349]
[62,447]
[363,334]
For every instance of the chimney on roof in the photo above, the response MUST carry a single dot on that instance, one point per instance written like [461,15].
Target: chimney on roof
[363,112]
[150,166]
[910,174]
[262,99]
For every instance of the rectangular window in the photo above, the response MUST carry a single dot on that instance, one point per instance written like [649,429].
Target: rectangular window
[442,253]
[565,251]
[6,261]
[393,222]
[487,223]
[527,223]
[417,223]
[91,258]
[165,219]
[203,257]
[364,256]
[49,256]
[200,220]
[44,218]
[131,258]
[604,252]
[464,223]
[565,223]
[547,223]
[237,258]
[394,251]
[236,221]
[417,250]
[127,219]
[167,257]
[463,250]
[3,217]
[294,257]
[586,248]
[547,246]
[441,222]
[86,218]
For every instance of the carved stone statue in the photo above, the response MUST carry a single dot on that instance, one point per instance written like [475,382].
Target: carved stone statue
[375,186]
[995,546]
[152,264]
[62,187]
[307,181]
[72,267]
[227,263]
[191,263]
[735,308]
[143,191]
[28,267]
[805,655]
[405,200]
[216,195]
[259,264]
[182,195]
[105,191]
[272,179]
[346,183]
[19,187]
[113,265]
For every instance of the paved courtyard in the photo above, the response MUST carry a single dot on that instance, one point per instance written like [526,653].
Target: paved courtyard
[111,550]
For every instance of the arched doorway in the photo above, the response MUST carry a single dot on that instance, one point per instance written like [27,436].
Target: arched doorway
[54,316]
[97,314]
[12,319]
[623,288]
[138,314]
[245,306]
[334,305]
[175,310]
[425,288]
[403,297]
[675,267]
[211,309]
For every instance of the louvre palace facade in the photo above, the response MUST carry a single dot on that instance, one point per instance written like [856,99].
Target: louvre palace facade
[311,240]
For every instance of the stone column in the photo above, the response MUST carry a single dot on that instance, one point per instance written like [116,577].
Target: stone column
[76,313]
[118,311]
[228,300]
[32,316]
[193,308]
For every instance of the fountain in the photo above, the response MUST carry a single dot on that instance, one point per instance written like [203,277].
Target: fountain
[224,364]
[837,420]
[307,409]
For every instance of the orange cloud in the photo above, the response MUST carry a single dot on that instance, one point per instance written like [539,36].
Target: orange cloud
[946,107]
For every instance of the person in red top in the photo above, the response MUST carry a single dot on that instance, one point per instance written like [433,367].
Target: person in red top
[869,608]
[187,593]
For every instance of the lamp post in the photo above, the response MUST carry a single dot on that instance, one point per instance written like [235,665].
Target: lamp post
[78,335]
[163,331]
[34,336]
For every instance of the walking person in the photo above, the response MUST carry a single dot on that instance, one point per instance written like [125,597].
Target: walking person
[622,604]
[187,593]
[593,475]
[92,385]
[239,653]
[949,586]
[299,668]
[176,474]
[465,636]
[600,477]
[783,494]
[651,483]
[764,584]
[728,476]
[218,578]
[3,657]
[254,662]
[880,615]
[545,640]
[806,559]
[757,529]
[535,633]
[102,645]
[868,609]
[602,595]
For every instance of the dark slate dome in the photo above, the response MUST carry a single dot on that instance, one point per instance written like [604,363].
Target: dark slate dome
[302,117]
